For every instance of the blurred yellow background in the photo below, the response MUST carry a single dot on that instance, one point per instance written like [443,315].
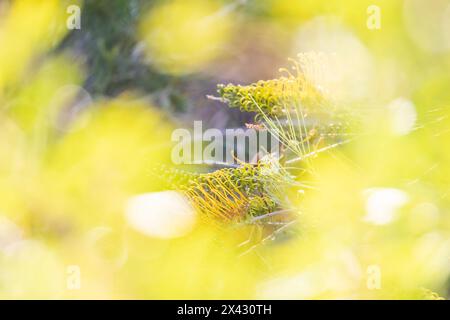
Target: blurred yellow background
[80,136]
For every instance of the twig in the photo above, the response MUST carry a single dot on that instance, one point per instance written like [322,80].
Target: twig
[267,215]
[318,151]
[271,236]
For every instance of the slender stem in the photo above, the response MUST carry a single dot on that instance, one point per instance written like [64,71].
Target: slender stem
[317,151]
[268,237]
[267,215]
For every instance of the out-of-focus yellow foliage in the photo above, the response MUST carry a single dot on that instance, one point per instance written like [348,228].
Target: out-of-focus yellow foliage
[70,196]
[374,224]
[204,264]
[50,87]
[27,29]
[115,144]
[181,36]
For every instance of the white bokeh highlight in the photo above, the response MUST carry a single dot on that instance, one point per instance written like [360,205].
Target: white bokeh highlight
[164,215]
[402,116]
[344,68]
[382,204]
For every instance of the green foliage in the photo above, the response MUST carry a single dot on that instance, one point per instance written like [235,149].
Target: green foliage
[271,97]
[108,41]
[235,194]
[304,119]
